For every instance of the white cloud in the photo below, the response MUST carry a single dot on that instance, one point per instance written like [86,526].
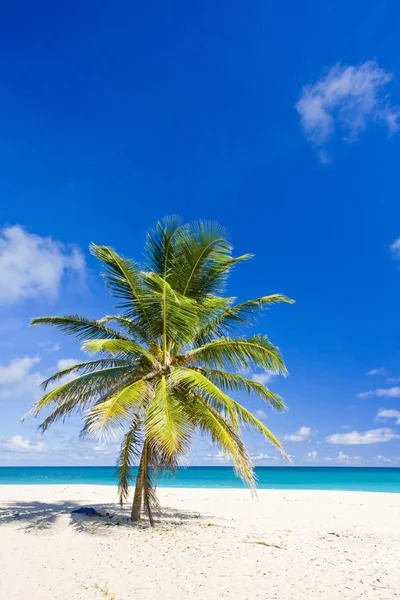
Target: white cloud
[393,392]
[104,449]
[302,435]
[380,371]
[17,369]
[220,457]
[50,346]
[312,454]
[393,380]
[342,457]
[17,379]
[64,363]
[262,456]
[18,444]
[383,458]
[20,379]
[373,436]
[395,248]
[389,413]
[261,414]
[32,266]
[347,98]
[263,378]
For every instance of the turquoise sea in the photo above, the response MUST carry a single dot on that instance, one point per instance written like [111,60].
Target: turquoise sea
[306,478]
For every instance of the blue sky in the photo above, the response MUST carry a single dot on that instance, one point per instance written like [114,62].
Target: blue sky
[279,120]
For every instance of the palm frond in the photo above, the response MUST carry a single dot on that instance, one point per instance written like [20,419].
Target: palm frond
[239,353]
[125,282]
[112,415]
[196,381]
[215,280]
[178,315]
[82,328]
[160,248]
[165,424]
[205,259]
[240,315]
[133,330]
[235,382]
[86,367]
[75,404]
[212,423]
[82,390]
[127,349]
[129,453]
[248,419]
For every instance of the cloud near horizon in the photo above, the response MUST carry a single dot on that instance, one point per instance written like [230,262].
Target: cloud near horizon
[348,98]
[301,435]
[19,445]
[373,436]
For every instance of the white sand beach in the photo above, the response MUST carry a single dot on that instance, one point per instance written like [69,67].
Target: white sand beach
[209,544]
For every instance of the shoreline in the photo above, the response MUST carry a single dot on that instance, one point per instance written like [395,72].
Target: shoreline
[201,488]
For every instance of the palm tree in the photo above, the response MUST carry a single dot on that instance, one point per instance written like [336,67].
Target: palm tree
[168,361]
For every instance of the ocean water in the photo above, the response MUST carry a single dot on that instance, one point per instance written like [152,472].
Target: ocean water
[305,478]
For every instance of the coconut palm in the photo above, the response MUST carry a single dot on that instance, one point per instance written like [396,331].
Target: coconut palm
[166,364]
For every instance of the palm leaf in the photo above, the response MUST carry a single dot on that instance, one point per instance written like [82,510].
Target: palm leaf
[178,315]
[81,390]
[125,281]
[239,353]
[236,316]
[195,381]
[205,259]
[247,418]
[235,382]
[86,367]
[126,348]
[165,423]
[76,404]
[129,453]
[132,330]
[160,248]
[211,422]
[80,326]
[112,415]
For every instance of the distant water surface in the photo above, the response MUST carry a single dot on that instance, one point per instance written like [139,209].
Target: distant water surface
[303,478]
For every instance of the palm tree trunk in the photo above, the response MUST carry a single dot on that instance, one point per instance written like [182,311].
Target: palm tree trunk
[138,496]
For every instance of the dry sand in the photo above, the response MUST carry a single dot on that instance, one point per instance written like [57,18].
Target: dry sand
[209,544]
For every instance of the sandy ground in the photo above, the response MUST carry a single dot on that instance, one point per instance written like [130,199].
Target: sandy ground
[209,544]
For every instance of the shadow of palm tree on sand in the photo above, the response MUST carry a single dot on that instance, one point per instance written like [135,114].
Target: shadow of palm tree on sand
[38,516]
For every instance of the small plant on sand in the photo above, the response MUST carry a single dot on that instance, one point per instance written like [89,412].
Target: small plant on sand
[105,591]
[169,360]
